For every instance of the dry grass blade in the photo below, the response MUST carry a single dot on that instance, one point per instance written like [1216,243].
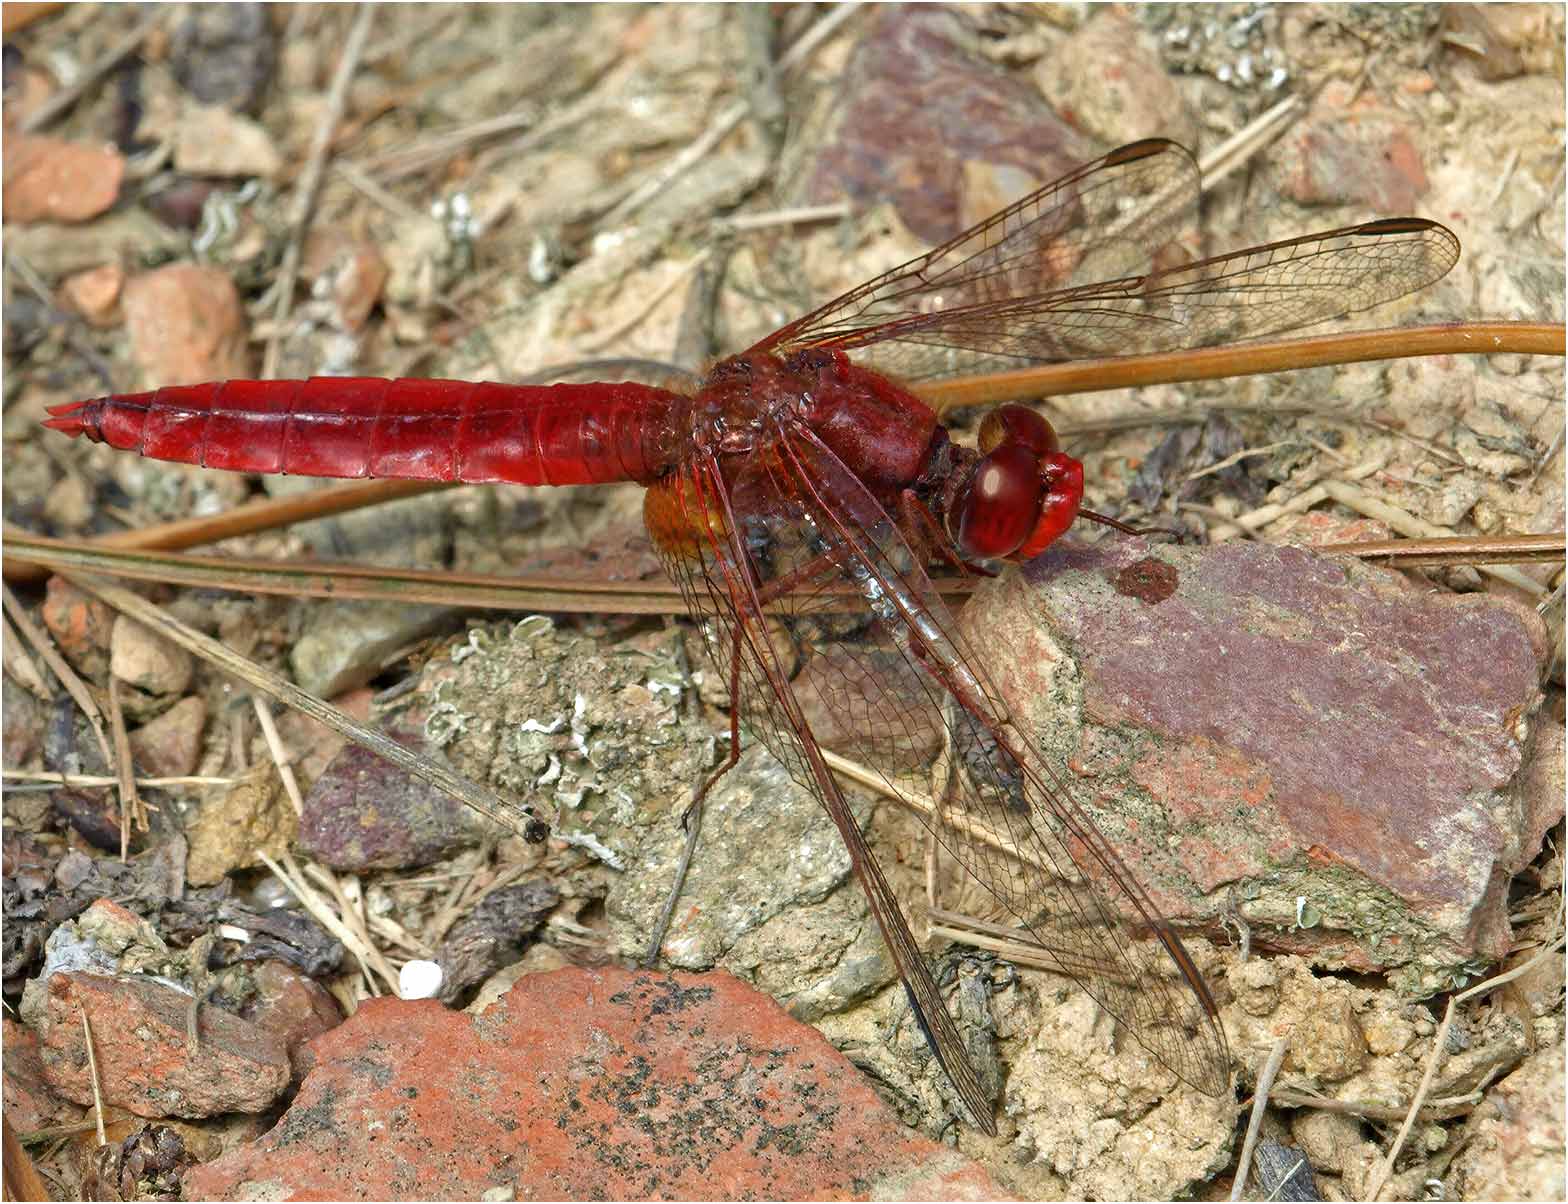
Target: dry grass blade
[1246,359]
[93,779]
[547,593]
[1553,948]
[1260,1101]
[267,515]
[1409,525]
[73,684]
[518,816]
[92,1075]
[280,757]
[1458,550]
[368,956]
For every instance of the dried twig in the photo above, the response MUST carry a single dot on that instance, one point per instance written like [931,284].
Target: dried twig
[92,1076]
[518,816]
[1439,1044]
[74,685]
[125,778]
[310,183]
[63,100]
[1260,1102]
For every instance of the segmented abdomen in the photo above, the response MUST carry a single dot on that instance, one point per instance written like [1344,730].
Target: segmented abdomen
[439,430]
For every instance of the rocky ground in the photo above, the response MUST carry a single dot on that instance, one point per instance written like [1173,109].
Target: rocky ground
[1346,785]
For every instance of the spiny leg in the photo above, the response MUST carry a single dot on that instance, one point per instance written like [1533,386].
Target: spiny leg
[691,818]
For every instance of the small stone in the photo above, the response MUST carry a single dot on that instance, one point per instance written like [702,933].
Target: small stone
[1353,158]
[81,627]
[1511,1147]
[95,294]
[144,1061]
[294,1008]
[223,54]
[1108,79]
[235,823]
[365,813]
[345,644]
[1256,984]
[185,325]
[418,980]
[69,504]
[352,270]
[917,104]
[142,658]
[52,180]
[170,745]
[211,141]
[674,1077]
[1328,1043]
[493,934]
[1328,1139]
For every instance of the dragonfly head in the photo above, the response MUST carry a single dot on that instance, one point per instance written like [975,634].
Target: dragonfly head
[1022,493]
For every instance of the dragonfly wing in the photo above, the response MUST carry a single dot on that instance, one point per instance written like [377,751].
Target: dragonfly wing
[1084,267]
[1026,842]
[724,579]
[802,536]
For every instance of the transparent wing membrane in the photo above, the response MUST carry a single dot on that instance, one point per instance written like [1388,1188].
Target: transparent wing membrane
[1099,263]
[1009,822]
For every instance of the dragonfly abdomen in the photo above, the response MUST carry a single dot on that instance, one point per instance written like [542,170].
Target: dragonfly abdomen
[438,430]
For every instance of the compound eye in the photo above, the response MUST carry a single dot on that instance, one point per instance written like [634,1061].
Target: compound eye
[1001,507]
[1018,424]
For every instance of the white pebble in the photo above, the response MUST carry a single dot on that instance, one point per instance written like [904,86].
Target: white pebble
[419,980]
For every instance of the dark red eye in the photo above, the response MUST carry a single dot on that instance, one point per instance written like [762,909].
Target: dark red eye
[1063,489]
[1018,424]
[1003,502]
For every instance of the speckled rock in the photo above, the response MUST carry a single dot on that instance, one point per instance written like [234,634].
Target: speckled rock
[144,1061]
[579,1084]
[919,103]
[1334,749]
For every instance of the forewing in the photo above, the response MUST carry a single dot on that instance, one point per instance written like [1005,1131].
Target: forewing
[1107,219]
[725,575]
[1025,842]
[1059,276]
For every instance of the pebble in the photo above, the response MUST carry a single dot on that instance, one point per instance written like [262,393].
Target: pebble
[170,745]
[236,822]
[95,294]
[52,180]
[80,625]
[142,658]
[211,141]
[185,325]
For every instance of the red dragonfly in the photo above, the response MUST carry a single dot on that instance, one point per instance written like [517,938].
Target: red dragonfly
[795,477]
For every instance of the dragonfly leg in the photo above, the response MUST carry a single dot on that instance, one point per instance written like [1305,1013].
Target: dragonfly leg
[691,818]
[1106,520]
